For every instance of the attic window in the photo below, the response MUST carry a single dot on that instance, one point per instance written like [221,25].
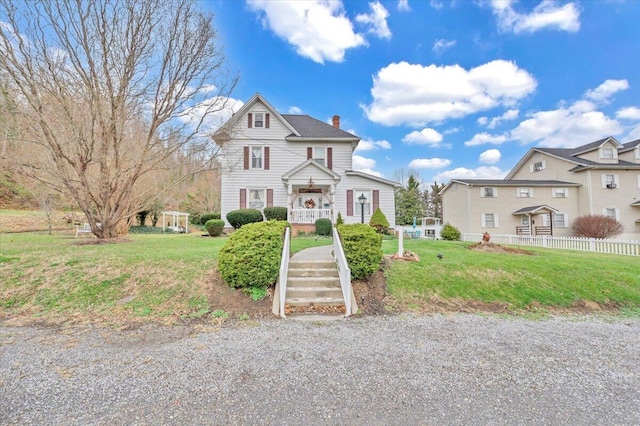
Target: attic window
[538,166]
[607,154]
[258,119]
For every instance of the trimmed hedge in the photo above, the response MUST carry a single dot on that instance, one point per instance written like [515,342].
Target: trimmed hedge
[206,217]
[275,213]
[449,232]
[237,218]
[323,227]
[251,255]
[379,221]
[362,248]
[214,227]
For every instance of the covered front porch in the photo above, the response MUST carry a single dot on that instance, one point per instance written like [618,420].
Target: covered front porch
[529,216]
[311,188]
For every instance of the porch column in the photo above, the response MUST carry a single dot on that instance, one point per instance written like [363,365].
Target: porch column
[289,201]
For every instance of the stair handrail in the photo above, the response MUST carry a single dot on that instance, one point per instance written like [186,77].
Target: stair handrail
[344,272]
[284,269]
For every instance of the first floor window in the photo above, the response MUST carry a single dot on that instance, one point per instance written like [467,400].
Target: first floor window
[257,198]
[357,194]
[489,220]
[560,220]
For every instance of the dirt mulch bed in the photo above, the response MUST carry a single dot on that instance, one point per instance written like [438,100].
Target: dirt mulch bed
[497,248]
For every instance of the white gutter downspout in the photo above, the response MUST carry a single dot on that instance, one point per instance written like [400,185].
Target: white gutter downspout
[469,208]
[590,192]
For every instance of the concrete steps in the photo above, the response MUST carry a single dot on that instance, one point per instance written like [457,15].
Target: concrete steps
[313,283]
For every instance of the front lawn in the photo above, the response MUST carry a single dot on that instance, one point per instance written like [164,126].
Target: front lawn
[545,279]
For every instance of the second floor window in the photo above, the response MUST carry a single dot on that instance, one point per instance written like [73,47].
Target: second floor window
[524,192]
[560,192]
[320,154]
[256,157]
[488,191]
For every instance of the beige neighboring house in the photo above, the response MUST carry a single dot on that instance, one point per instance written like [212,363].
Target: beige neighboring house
[548,189]
[298,162]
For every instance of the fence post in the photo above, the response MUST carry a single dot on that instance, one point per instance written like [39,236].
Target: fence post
[592,244]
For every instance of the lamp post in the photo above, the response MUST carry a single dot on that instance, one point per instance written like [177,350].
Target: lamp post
[362,200]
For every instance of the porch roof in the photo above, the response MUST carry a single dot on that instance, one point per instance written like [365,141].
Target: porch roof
[636,204]
[536,209]
[291,174]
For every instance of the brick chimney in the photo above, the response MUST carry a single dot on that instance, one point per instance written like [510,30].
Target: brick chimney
[336,121]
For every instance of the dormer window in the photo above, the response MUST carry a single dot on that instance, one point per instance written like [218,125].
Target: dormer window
[607,154]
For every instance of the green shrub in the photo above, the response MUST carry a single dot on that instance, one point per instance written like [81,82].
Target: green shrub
[323,227]
[214,227]
[275,213]
[379,221]
[362,248]
[339,219]
[449,232]
[146,230]
[194,218]
[206,217]
[251,255]
[237,218]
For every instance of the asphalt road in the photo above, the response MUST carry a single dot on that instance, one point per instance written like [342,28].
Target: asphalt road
[396,370]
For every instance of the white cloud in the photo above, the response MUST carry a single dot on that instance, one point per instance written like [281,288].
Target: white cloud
[547,14]
[371,145]
[377,20]
[511,114]
[366,165]
[490,156]
[403,6]
[441,45]
[429,163]
[483,172]
[414,94]
[566,127]
[629,113]
[211,108]
[483,121]
[603,92]
[318,29]
[484,138]
[426,136]
[436,4]
[294,110]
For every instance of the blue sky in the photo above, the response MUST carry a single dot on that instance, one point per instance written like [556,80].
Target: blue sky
[450,89]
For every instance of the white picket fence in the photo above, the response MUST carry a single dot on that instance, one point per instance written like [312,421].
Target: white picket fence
[630,248]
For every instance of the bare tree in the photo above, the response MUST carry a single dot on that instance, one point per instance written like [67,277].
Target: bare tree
[595,226]
[116,93]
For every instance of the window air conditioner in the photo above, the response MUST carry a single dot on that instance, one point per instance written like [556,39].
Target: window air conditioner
[611,185]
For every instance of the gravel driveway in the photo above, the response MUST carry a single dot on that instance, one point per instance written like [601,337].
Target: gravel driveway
[458,369]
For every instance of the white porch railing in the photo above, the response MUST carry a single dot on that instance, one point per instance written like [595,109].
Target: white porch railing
[284,270]
[630,248]
[308,215]
[344,272]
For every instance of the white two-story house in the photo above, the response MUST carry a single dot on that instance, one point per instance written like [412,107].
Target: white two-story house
[298,162]
[549,188]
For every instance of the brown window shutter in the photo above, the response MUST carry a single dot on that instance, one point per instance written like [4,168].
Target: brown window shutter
[350,202]
[269,197]
[249,120]
[266,158]
[266,121]
[309,153]
[330,158]
[246,158]
[243,198]
[376,199]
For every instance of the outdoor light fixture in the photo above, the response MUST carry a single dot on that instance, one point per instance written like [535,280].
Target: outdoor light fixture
[362,200]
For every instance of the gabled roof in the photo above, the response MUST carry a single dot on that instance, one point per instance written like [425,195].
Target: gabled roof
[629,146]
[571,155]
[535,209]
[222,134]
[310,128]
[372,177]
[595,145]
[310,163]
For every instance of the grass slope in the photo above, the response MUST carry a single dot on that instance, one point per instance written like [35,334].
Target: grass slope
[547,278]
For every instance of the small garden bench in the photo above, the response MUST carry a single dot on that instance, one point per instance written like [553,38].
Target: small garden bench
[85,228]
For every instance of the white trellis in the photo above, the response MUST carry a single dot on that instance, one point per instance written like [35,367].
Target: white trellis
[173,221]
